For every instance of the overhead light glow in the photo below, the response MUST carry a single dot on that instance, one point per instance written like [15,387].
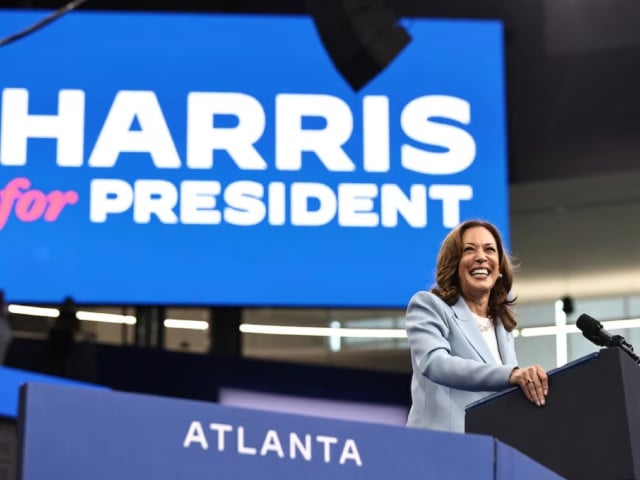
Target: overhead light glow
[554,330]
[106,317]
[323,331]
[186,324]
[33,311]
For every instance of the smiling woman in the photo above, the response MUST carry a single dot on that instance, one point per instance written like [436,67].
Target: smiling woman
[460,332]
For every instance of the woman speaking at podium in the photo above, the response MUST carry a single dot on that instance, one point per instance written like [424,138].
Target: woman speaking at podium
[462,348]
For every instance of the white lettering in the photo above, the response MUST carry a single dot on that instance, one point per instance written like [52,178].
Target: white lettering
[295,444]
[300,446]
[302,214]
[157,197]
[203,137]
[109,196]
[412,209]
[326,143]
[355,206]
[242,448]
[375,133]
[272,444]
[153,137]
[277,199]
[350,452]
[235,122]
[17,126]
[198,201]
[458,145]
[451,195]
[221,428]
[195,434]
[327,442]
[244,203]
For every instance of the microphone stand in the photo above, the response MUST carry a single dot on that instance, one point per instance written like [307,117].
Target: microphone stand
[620,342]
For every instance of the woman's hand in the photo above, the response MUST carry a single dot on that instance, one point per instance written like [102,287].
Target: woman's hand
[533,381]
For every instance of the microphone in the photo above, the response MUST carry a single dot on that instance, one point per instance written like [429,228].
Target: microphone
[593,330]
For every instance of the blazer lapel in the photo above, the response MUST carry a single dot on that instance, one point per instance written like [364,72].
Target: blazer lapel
[507,352]
[470,329]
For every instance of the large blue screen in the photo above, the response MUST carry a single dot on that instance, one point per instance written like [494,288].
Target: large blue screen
[222,159]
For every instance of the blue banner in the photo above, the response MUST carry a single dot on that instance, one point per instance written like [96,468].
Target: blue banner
[76,434]
[221,159]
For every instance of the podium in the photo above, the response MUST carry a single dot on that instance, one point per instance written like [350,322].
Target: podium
[76,433]
[589,427]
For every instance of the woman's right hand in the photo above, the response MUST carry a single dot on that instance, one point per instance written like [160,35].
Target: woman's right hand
[533,381]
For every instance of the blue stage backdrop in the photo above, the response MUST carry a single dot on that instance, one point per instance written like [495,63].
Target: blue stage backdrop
[221,159]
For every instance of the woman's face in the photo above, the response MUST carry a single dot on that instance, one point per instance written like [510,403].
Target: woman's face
[479,265]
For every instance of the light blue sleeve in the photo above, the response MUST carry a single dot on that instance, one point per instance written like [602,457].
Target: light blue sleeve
[442,352]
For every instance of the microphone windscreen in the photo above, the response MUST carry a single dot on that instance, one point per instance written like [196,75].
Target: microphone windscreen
[588,325]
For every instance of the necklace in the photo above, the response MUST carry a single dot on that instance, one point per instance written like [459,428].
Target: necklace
[484,323]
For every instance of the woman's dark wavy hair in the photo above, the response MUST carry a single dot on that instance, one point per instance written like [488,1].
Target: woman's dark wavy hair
[448,282]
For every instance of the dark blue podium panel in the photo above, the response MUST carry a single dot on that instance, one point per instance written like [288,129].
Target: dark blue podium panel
[75,433]
[511,464]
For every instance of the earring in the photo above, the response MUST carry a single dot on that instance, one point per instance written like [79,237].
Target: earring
[500,275]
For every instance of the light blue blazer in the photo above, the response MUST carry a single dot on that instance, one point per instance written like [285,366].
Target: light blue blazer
[451,361]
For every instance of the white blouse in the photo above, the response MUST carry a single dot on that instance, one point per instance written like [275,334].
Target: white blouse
[489,333]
